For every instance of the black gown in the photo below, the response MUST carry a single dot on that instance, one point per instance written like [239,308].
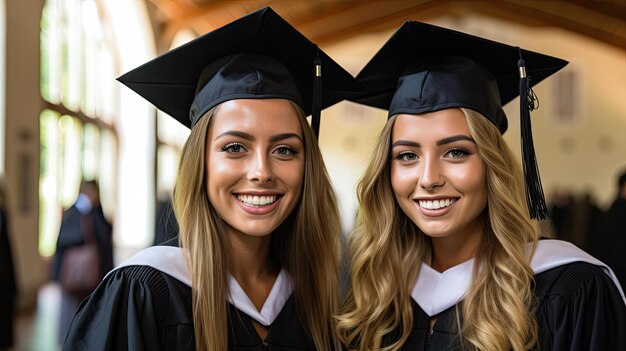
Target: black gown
[579,308]
[71,234]
[8,284]
[142,308]
[610,241]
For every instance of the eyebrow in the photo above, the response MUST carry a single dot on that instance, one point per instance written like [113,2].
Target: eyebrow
[440,142]
[284,136]
[454,138]
[250,137]
[235,133]
[406,143]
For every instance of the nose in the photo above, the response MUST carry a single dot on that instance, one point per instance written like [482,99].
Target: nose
[260,169]
[432,176]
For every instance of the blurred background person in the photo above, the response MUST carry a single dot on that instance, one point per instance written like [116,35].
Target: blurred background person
[166,225]
[561,212]
[8,285]
[83,223]
[610,242]
[586,220]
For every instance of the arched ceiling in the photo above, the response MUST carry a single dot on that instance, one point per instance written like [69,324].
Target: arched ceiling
[329,21]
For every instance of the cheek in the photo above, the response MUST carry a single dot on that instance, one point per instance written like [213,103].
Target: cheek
[216,166]
[402,179]
[475,181]
[220,174]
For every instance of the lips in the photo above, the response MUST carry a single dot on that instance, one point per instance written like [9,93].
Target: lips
[436,204]
[257,200]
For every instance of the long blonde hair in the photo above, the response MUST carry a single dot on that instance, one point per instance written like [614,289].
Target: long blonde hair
[386,250]
[306,244]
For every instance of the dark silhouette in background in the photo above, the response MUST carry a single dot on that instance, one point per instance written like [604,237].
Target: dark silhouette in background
[8,285]
[83,221]
[610,243]
[576,218]
[166,226]
[561,212]
[586,219]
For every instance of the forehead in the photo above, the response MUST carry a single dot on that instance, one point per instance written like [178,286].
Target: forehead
[433,125]
[256,117]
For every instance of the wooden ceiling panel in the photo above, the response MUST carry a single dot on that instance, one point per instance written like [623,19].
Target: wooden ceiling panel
[329,21]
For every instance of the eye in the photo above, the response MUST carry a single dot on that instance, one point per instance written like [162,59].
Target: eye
[457,153]
[233,148]
[284,150]
[406,156]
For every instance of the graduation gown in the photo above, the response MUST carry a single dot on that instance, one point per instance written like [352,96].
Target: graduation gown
[139,307]
[8,284]
[71,234]
[610,241]
[579,308]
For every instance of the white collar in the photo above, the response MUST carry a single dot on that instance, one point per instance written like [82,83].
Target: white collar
[167,259]
[170,260]
[435,292]
[278,296]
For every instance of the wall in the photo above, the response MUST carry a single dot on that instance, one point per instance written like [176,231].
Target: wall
[22,107]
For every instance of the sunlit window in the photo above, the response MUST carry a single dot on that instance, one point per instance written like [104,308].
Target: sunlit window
[78,140]
[171,137]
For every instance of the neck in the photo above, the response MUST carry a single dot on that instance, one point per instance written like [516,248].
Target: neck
[452,250]
[250,257]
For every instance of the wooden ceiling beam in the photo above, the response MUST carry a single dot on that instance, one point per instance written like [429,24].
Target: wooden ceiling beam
[613,8]
[329,21]
[369,17]
[205,18]
[172,9]
[570,16]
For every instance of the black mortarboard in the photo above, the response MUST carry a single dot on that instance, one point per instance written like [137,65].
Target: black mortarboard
[424,68]
[257,56]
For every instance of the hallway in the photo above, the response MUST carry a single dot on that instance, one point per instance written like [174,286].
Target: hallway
[37,331]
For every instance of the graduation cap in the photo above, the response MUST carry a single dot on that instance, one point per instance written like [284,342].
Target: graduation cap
[424,68]
[258,56]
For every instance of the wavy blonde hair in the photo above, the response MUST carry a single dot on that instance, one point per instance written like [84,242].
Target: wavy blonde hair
[306,244]
[386,250]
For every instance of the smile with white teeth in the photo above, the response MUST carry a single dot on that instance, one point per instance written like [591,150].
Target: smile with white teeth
[436,204]
[257,201]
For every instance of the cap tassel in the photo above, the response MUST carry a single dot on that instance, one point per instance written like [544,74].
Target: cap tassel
[317,95]
[529,102]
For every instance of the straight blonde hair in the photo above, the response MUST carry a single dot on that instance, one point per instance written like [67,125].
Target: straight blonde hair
[306,244]
[386,250]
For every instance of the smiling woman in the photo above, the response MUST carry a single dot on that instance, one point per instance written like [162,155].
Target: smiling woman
[256,161]
[440,182]
[445,255]
[255,265]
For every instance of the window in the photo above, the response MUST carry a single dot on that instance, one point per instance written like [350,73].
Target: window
[78,138]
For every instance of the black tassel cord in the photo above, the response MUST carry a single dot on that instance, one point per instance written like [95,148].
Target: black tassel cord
[317,96]
[534,191]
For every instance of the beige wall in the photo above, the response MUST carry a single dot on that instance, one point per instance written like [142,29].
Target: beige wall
[22,107]
[581,155]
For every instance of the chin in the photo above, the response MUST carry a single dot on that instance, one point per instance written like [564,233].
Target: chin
[257,231]
[434,232]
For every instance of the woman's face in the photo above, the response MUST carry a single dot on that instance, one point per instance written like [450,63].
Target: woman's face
[255,163]
[437,176]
